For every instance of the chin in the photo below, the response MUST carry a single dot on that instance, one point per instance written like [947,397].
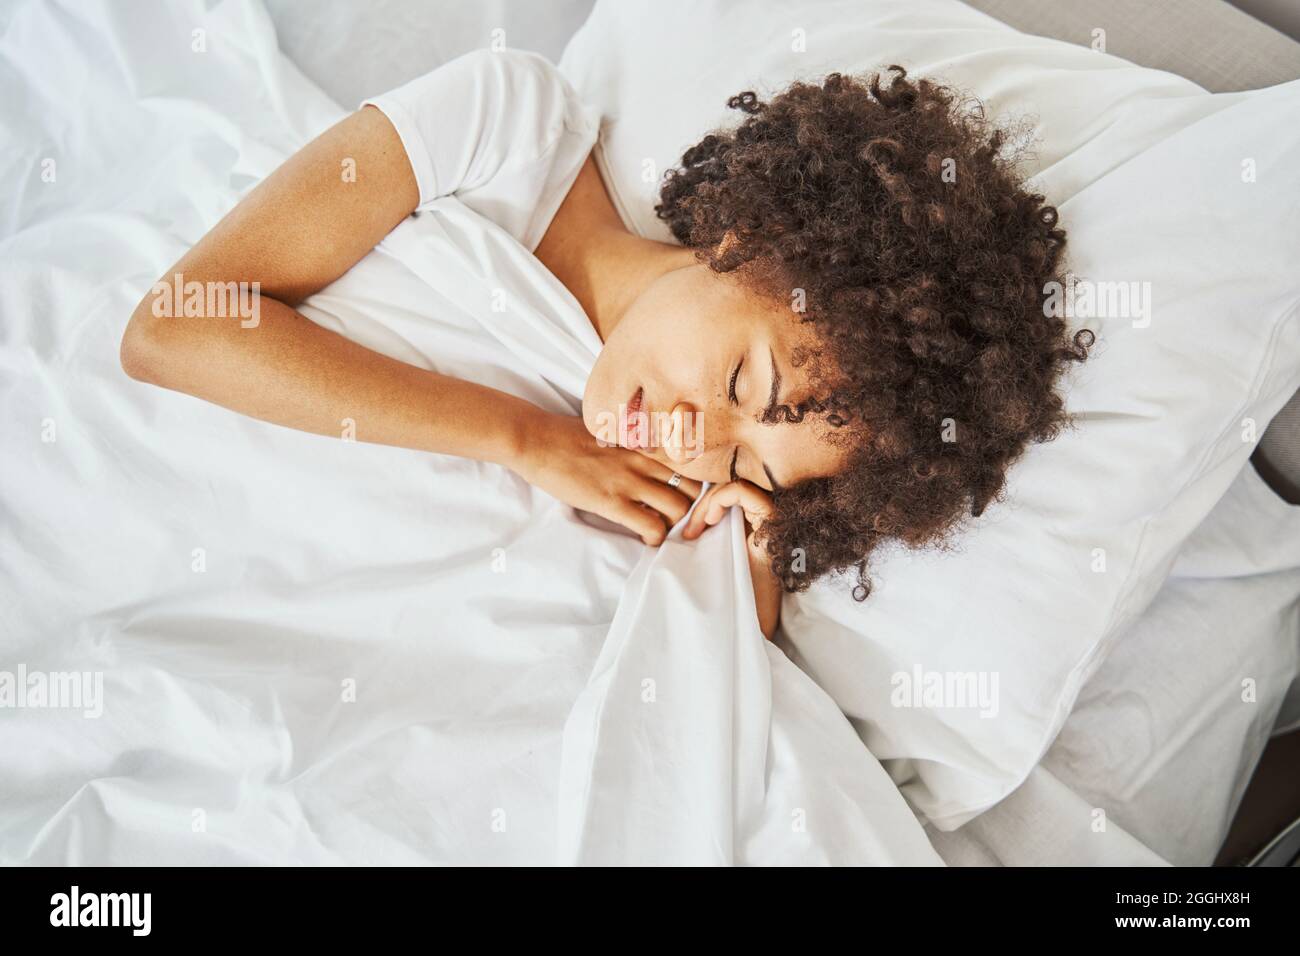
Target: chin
[593,408]
[598,401]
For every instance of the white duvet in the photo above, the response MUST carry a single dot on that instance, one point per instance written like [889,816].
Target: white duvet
[322,651]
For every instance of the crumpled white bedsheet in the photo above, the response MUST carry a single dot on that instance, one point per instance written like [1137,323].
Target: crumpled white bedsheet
[318,651]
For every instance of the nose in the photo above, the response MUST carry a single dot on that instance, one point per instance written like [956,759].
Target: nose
[679,441]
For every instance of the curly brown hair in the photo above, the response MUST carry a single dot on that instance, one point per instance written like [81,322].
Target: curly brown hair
[893,209]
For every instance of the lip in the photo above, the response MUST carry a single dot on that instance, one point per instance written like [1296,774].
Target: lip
[631,432]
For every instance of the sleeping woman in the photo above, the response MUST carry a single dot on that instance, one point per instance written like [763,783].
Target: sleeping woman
[847,339]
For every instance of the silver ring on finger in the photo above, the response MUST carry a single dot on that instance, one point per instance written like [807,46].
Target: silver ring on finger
[675,480]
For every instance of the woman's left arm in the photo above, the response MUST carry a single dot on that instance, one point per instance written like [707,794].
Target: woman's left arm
[757,505]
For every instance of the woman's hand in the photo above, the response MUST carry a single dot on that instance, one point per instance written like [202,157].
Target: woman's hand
[562,458]
[757,505]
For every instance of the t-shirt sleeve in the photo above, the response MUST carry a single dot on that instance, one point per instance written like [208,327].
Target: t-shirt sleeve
[504,132]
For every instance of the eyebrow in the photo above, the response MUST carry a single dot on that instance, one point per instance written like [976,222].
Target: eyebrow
[771,404]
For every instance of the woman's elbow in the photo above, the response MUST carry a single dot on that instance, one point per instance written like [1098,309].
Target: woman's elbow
[142,353]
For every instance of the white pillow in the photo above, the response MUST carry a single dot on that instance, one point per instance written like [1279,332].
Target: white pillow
[1164,737]
[1157,182]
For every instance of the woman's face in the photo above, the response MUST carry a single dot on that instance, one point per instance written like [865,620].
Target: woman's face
[687,373]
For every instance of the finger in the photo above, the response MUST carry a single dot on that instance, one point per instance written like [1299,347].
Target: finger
[756,503]
[661,473]
[728,496]
[643,521]
[699,517]
[669,502]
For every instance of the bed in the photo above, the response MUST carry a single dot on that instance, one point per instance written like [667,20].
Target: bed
[291,696]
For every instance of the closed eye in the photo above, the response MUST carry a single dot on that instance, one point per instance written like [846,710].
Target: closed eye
[731,385]
[731,395]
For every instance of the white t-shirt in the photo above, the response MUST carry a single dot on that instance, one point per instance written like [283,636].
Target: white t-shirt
[502,132]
